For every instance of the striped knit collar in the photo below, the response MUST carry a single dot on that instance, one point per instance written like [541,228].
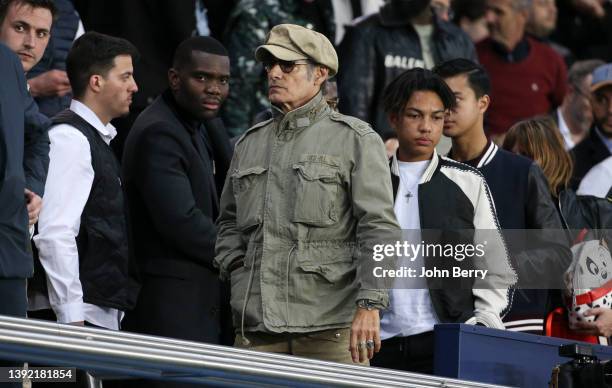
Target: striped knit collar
[483,159]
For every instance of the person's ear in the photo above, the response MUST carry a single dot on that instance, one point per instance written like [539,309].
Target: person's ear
[483,103]
[96,83]
[321,74]
[174,81]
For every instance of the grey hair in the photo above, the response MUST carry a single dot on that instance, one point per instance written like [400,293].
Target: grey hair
[581,69]
[310,70]
[521,5]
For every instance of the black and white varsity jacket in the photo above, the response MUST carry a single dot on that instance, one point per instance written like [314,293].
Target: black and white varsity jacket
[456,206]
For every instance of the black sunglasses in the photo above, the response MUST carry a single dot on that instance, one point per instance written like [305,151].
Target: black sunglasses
[285,66]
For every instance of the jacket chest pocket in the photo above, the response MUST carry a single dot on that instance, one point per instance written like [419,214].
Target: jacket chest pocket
[249,185]
[316,193]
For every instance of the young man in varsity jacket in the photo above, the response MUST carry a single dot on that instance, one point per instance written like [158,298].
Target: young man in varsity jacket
[82,241]
[520,192]
[434,193]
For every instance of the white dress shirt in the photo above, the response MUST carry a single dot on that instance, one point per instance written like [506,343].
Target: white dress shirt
[598,181]
[67,189]
[343,14]
[410,310]
[565,131]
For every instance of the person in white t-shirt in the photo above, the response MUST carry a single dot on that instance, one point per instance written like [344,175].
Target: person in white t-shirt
[436,193]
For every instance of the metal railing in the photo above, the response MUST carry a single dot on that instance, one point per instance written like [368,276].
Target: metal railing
[115,353]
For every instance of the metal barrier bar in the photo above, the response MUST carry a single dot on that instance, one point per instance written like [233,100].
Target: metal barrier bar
[105,351]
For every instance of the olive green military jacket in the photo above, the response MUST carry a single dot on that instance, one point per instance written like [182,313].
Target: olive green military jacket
[306,195]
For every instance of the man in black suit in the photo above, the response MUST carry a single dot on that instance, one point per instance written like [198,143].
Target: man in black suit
[24,145]
[597,146]
[174,163]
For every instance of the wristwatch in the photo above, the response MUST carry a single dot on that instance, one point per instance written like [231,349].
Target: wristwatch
[368,304]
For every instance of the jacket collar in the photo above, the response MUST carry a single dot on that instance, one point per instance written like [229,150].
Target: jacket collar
[485,157]
[303,116]
[188,121]
[605,141]
[520,52]
[429,171]
[488,155]
[108,131]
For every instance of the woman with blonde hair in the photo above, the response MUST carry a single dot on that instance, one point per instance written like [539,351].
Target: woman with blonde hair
[539,140]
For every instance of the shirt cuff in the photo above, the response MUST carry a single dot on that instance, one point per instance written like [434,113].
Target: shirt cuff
[380,297]
[70,312]
[488,319]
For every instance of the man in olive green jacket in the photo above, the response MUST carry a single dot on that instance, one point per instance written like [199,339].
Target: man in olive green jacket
[307,196]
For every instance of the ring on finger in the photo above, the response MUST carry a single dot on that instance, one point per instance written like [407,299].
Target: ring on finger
[362,344]
[370,344]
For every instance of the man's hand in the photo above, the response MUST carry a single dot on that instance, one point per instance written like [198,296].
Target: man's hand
[50,83]
[365,327]
[602,326]
[34,204]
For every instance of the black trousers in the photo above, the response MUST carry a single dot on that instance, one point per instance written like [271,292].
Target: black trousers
[13,302]
[412,354]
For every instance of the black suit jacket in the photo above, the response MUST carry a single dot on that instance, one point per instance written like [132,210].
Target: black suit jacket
[24,159]
[173,203]
[586,154]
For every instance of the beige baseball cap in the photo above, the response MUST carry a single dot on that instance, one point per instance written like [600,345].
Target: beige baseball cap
[290,42]
[602,76]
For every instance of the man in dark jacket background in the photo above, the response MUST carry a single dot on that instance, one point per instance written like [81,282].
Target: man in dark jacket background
[597,145]
[15,260]
[25,26]
[24,148]
[24,145]
[375,50]
[49,84]
[175,160]
[519,190]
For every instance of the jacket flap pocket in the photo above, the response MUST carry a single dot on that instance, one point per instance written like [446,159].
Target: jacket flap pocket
[317,171]
[332,263]
[249,171]
[314,256]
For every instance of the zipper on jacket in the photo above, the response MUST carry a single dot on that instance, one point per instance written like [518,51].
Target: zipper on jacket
[561,213]
[245,340]
[287,289]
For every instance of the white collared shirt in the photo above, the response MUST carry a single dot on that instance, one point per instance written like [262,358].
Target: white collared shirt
[565,131]
[67,189]
[343,14]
